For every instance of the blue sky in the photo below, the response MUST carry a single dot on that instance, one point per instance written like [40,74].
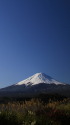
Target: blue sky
[34,37]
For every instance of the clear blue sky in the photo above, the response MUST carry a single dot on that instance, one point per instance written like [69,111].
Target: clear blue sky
[34,37]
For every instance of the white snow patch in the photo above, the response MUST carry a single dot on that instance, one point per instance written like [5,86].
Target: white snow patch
[39,78]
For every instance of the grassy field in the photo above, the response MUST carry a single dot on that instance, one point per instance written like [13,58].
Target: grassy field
[35,112]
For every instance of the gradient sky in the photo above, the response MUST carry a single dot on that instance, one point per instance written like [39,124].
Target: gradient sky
[34,37]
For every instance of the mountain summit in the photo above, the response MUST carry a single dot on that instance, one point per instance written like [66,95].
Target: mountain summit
[39,78]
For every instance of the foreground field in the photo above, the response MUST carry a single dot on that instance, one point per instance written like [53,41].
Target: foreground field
[35,112]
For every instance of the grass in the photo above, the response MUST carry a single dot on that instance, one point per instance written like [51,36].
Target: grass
[35,112]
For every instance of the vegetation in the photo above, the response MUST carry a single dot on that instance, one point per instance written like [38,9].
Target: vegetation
[35,112]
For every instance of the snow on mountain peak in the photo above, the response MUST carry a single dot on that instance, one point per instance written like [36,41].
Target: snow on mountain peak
[38,78]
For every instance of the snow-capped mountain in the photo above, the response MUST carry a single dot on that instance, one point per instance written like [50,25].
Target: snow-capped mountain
[36,84]
[39,78]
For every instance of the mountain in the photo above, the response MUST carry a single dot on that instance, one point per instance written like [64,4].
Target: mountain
[36,84]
